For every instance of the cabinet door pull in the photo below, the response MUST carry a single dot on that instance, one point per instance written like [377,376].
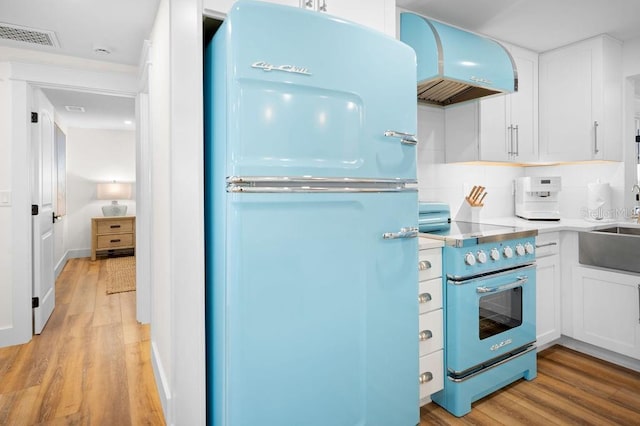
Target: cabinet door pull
[423,265]
[424,298]
[115,241]
[510,148]
[425,335]
[426,377]
[517,150]
[638,303]
[114,226]
[595,137]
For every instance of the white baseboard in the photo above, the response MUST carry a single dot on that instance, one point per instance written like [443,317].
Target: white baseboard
[604,354]
[70,254]
[164,390]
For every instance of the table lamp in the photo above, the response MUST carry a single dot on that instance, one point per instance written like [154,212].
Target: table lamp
[114,191]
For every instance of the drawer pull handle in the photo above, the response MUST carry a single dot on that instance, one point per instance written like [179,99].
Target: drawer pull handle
[424,298]
[546,245]
[426,377]
[425,335]
[115,241]
[115,226]
[423,265]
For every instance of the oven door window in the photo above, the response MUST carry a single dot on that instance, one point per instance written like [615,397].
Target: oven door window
[500,312]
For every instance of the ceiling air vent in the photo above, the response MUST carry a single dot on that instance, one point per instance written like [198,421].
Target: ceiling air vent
[28,35]
[73,108]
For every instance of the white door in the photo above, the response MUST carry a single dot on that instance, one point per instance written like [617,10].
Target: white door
[42,196]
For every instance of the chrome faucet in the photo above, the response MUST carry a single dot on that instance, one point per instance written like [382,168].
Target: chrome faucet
[635,189]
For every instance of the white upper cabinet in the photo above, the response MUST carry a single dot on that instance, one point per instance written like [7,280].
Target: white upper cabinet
[581,101]
[377,14]
[501,127]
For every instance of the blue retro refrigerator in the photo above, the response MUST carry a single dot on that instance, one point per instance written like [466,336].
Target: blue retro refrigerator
[311,226]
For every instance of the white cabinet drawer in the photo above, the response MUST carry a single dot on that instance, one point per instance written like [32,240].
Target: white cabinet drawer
[430,295]
[430,332]
[429,264]
[547,244]
[431,374]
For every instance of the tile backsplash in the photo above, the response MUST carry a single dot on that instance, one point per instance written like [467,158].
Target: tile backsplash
[450,183]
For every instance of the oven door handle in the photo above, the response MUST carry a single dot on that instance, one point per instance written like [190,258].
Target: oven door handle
[519,282]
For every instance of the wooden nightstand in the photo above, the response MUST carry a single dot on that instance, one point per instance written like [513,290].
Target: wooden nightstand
[112,233]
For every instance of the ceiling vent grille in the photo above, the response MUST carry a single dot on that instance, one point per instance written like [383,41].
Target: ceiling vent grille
[73,108]
[28,35]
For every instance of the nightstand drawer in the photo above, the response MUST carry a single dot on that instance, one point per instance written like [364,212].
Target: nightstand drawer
[114,241]
[115,226]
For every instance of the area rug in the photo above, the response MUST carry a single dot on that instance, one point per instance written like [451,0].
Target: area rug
[121,274]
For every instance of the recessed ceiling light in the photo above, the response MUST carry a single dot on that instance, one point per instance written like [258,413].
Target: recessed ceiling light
[128,122]
[73,108]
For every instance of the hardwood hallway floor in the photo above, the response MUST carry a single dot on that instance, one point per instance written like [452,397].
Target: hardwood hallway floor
[90,366]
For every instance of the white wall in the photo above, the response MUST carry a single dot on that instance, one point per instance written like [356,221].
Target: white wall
[94,156]
[6,313]
[160,120]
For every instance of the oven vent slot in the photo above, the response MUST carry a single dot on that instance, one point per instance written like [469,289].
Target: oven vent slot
[28,35]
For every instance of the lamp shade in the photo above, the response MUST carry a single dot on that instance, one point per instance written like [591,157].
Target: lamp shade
[114,191]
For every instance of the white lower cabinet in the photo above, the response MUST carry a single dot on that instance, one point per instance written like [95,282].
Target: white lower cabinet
[606,309]
[548,299]
[431,332]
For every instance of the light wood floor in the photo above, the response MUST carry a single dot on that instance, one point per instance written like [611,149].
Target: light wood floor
[90,366]
[571,389]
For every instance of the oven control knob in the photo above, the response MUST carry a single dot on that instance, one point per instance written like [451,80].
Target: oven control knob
[528,247]
[495,254]
[469,259]
[508,252]
[481,256]
[520,250]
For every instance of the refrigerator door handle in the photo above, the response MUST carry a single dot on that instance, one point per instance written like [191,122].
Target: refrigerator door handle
[405,138]
[409,232]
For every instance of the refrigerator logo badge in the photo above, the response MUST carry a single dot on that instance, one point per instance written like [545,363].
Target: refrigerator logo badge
[285,68]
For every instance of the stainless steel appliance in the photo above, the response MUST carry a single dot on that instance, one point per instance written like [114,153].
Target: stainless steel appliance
[537,197]
[490,291]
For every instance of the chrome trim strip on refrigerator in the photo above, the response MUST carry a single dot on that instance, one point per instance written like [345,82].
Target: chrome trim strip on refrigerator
[311,179]
[264,184]
[289,189]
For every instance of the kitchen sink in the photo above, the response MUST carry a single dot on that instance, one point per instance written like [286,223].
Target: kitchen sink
[617,247]
[622,230]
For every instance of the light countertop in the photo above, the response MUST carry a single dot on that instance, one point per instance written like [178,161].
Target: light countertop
[544,226]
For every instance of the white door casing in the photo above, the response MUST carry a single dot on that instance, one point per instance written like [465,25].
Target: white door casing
[43,196]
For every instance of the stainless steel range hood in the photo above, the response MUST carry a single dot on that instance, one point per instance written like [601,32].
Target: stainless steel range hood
[456,65]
